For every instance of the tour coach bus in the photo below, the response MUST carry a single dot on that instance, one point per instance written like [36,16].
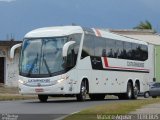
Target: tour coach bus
[76,61]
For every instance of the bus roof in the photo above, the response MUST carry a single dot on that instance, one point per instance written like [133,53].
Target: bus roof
[111,35]
[68,30]
[54,31]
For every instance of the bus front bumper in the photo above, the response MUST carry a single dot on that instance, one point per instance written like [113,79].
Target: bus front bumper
[54,89]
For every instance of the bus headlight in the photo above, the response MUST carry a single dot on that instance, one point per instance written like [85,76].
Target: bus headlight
[61,80]
[21,81]
[57,81]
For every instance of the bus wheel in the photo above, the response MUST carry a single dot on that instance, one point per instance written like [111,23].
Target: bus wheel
[83,92]
[135,91]
[129,91]
[43,98]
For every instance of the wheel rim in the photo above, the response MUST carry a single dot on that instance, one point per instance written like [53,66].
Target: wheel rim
[83,92]
[129,93]
[136,91]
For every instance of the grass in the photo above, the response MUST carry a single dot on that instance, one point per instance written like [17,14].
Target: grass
[10,97]
[111,108]
[8,90]
[11,93]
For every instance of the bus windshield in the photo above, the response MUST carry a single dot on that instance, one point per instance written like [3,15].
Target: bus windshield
[42,56]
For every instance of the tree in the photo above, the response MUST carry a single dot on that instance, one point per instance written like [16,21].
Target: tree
[144,25]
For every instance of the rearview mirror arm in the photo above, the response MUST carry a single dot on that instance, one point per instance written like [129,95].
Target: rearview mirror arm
[66,46]
[12,51]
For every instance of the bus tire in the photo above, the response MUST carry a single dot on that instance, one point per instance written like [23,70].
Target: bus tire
[129,92]
[83,92]
[135,91]
[43,98]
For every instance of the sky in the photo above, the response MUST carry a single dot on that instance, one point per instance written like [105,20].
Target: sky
[17,17]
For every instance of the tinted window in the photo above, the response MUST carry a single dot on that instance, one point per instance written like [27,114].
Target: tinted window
[119,49]
[88,46]
[100,45]
[77,38]
[139,52]
[110,47]
[134,52]
[144,54]
[127,50]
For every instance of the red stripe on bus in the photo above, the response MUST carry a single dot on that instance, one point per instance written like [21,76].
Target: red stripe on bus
[123,68]
[98,32]
[106,62]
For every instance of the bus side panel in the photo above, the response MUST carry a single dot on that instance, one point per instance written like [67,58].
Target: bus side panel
[72,82]
[116,81]
[97,84]
[151,60]
[107,81]
[84,72]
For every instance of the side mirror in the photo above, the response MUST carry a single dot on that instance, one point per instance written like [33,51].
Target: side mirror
[12,51]
[66,46]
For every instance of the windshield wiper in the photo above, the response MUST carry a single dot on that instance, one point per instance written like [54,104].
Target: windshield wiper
[45,62]
[32,66]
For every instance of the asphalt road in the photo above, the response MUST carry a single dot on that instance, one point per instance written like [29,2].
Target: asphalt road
[54,108]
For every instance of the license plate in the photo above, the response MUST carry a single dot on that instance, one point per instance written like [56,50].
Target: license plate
[39,90]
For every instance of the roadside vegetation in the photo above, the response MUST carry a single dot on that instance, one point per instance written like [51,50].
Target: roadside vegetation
[11,93]
[8,90]
[10,97]
[111,109]
[145,25]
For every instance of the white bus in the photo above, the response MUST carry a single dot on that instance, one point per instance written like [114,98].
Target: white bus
[76,61]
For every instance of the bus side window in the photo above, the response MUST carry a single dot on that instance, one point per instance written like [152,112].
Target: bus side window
[127,51]
[100,46]
[104,53]
[88,46]
[110,48]
[144,53]
[134,48]
[110,53]
[119,49]
[71,57]
[84,54]
[77,39]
